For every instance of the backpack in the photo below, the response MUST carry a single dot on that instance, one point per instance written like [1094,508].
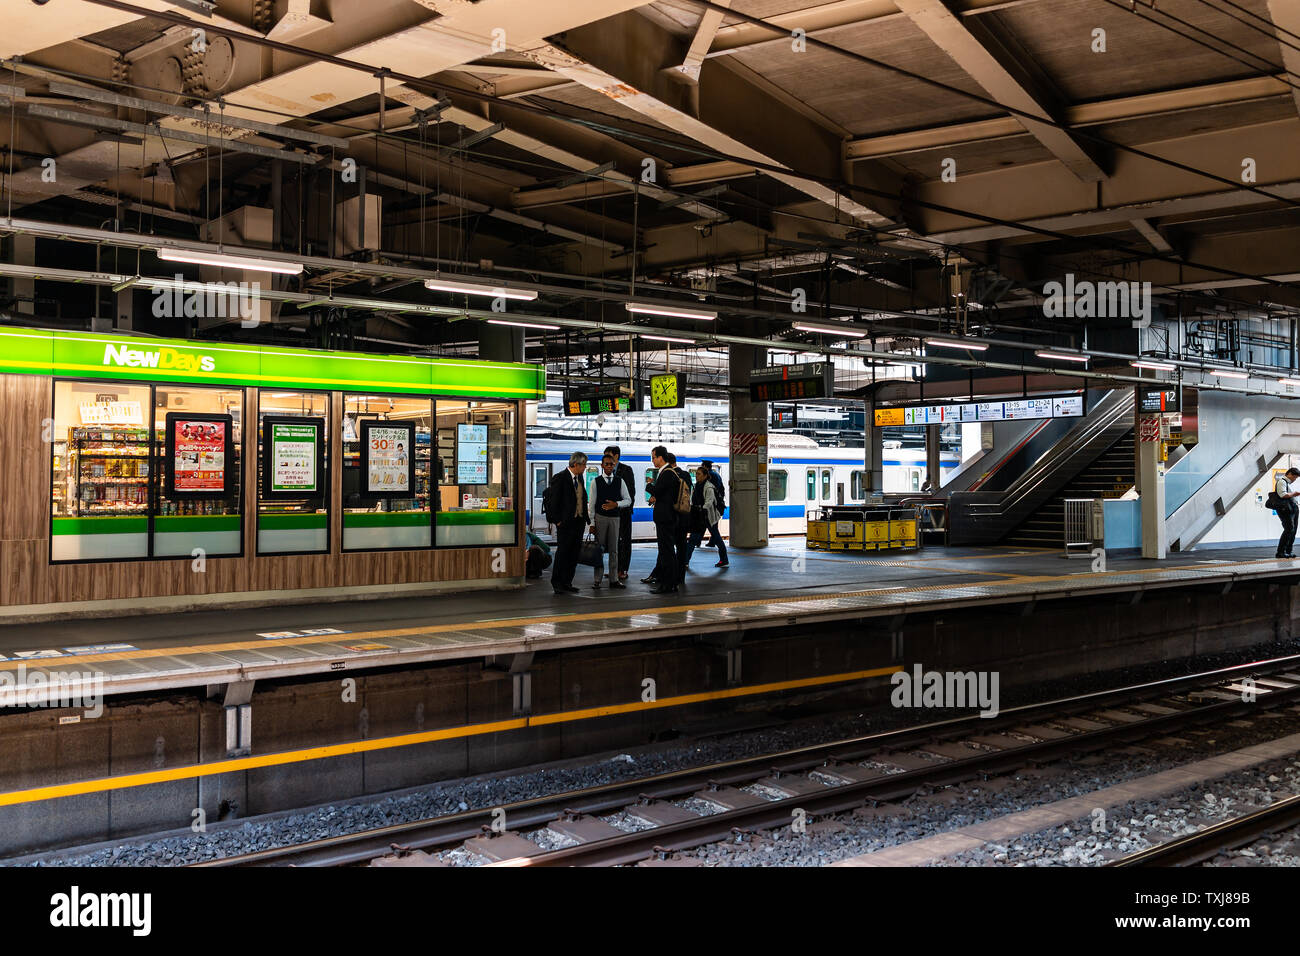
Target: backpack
[549,504]
[720,491]
[1274,502]
[683,503]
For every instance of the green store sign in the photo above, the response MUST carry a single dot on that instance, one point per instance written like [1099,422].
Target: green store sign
[88,355]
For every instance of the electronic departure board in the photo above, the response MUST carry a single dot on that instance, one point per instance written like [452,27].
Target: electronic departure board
[1047,406]
[786,383]
[1153,401]
[594,401]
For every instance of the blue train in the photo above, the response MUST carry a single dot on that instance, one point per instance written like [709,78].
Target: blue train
[800,477]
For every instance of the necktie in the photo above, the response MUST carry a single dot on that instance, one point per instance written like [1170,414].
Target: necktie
[577,498]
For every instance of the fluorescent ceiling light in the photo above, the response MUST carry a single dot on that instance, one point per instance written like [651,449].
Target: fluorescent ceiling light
[1227,373]
[524,325]
[1063,356]
[1288,381]
[1154,366]
[251,263]
[471,288]
[665,338]
[672,312]
[830,330]
[948,344]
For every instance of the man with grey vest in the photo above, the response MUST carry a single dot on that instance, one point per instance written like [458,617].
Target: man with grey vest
[624,514]
[611,500]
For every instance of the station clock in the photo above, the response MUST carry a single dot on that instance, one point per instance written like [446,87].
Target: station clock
[668,391]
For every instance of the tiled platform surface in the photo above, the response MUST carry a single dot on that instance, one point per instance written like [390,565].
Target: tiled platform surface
[776,586]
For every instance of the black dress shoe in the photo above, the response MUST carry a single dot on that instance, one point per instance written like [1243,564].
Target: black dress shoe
[596,585]
[649,580]
[672,590]
[618,584]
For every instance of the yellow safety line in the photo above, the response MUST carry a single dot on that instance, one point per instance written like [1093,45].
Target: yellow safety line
[363,636]
[126,781]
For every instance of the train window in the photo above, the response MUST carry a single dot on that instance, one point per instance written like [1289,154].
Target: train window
[777,486]
[916,478]
[649,480]
[826,484]
[856,489]
[812,484]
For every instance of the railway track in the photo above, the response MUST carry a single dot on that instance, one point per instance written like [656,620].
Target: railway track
[1207,843]
[812,781]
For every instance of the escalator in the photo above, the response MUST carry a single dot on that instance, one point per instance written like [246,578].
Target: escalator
[1110,476]
[1088,461]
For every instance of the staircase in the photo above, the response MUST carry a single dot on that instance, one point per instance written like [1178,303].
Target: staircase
[1109,476]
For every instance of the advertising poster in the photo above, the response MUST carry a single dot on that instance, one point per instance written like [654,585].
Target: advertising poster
[200,455]
[293,457]
[471,455]
[388,461]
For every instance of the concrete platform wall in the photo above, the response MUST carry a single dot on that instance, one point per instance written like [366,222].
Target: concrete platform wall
[1024,644]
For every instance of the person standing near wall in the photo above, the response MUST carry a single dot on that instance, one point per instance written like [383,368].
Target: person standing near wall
[1287,511]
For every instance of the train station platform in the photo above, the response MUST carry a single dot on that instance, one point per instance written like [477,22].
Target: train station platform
[779,586]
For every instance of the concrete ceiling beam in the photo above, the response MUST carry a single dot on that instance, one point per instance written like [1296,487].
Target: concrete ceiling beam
[1142,106]
[1045,196]
[624,57]
[1001,71]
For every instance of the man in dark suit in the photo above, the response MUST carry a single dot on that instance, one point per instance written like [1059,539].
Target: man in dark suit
[663,492]
[625,515]
[569,494]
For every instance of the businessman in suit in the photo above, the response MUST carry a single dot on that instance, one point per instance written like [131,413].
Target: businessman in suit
[625,515]
[570,494]
[663,493]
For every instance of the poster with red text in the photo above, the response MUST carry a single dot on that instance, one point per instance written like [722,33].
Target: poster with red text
[199,456]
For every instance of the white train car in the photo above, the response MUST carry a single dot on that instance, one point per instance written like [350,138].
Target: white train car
[801,475]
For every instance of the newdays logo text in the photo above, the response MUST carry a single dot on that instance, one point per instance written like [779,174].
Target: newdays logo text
[164,358]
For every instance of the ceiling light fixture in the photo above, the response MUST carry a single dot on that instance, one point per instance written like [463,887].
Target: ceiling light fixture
[1063,356]
[949,344]
[1227,373]
[665,338]
[170,254]
[524,325]
[830,330]
[672,312]
[1153,366]
[1289,381]
[471,288]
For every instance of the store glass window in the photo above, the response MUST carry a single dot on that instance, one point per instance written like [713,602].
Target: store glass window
[292,472]
[101,456]
[390,473]
[474,443]
[197,483]
[777,485]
